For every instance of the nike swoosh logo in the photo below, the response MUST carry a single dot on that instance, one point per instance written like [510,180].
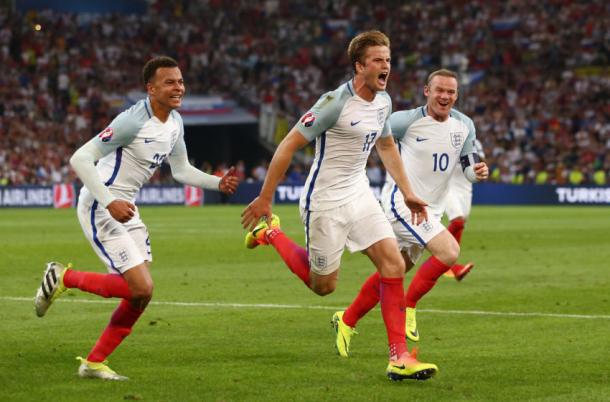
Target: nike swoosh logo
[353,123]
[399,367]
[148,140]
[420,139]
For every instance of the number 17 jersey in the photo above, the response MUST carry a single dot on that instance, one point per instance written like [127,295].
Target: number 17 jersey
[345,127]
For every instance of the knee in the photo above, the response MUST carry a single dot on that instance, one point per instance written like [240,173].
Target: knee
[450,256]
[142,293]
[323,285]
[395,268]
[323,289]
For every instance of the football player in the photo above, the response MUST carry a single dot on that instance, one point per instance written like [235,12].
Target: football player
[127,153]
[432,139]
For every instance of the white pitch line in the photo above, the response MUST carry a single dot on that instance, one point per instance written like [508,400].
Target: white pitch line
[333,308]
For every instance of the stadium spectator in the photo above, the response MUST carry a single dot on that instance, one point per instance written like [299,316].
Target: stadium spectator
[206,167]
[259,172]
[240,170]
[221,169]
[296,174]
[599,177]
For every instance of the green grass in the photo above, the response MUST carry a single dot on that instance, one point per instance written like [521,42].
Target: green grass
[547,260]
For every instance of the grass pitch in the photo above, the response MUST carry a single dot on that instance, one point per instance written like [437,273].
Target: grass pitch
[531,322]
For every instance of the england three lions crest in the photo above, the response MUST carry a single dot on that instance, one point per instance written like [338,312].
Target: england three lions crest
[456,139]
[381,116]
[427,226]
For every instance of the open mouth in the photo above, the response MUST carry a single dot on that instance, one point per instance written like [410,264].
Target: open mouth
[382,78]
[443,104]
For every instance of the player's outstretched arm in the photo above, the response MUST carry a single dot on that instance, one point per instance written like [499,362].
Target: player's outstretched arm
[261,206]
[186,173]
[388,151]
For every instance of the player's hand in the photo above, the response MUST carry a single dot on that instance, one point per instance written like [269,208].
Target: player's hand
[417,206]
[229,182]
[121,210]
[254,211]
[481,171]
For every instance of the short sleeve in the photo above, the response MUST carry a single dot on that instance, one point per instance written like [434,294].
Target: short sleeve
[400,121]
[322,116]
[120,132]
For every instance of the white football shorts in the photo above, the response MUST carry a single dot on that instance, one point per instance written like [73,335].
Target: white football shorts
[459,197]
[356,225]
[412,238]
[458,203]
[120,246]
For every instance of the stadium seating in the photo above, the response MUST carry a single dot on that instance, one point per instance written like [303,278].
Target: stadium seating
[532,73]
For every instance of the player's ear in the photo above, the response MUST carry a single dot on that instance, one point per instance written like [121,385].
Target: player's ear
[426,90]
[150,88]
[359,67]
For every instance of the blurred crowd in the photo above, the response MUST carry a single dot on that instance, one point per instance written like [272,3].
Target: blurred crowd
[534,75]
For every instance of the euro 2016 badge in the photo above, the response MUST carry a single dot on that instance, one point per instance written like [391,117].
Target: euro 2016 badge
[106,135]
[456,139]
[308,119]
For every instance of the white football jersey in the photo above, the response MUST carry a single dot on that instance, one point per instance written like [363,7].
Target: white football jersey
[345,128]
[134,145]
[430,151]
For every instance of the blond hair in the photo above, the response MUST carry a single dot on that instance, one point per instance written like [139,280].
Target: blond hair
[357,47]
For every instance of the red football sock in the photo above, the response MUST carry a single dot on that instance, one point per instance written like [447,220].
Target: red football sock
[367,298]
[105,285]
[424,279]
[121,322]
[456,227]
[392,298]
[293,255]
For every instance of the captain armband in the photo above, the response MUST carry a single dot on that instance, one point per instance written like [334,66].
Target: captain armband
[468,162]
